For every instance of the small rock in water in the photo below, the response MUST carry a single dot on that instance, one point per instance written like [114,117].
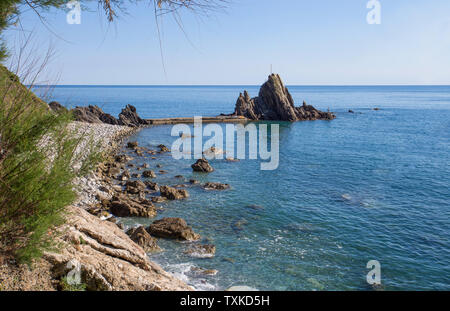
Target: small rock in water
[172,228]
[149,174]
[132,144]
[216,186]
[173,193]
[255,207]
[201,251]
[202,165]
[204,271]
[163,148]
[346,196]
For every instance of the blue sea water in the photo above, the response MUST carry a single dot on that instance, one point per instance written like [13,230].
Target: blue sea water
[373,185]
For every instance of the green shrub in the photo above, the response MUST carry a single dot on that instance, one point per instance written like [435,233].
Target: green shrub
[36,157]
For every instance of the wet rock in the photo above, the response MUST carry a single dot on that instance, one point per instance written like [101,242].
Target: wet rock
[202,165]
[193,181]
[152,185]
[351,111]
[136,175]
[179,176]
[163,172]
[274,102]
[172,228]
[215,186]
[173,193]
[142,238]
[201,251]
[376,109]
[201,271]
[163,148]
[145,165]
[132,144]
[149,174]
[135,186]
[124,206]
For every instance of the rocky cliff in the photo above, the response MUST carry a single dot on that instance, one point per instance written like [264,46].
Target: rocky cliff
[94,114]
[274,102]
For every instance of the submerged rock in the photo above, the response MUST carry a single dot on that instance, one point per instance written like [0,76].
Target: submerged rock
[173,193]
[201,251]
[216,186]
[163,148]
[202,165]
[142,238]
[172,228]
[132,144]
[274,102]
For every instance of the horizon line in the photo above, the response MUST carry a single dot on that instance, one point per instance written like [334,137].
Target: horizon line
[203,85]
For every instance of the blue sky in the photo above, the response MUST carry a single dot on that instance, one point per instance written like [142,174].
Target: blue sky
[321,42]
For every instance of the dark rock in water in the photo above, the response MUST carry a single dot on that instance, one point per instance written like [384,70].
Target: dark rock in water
[179,176]
[142,238]
[351,111]
[163,148]
[255,207]
[128,116]
[376,109]
[193,181]
[275,103]
[201,250]
[172,228]
[124,206]
[202,165]
[173,193]
[152,185]
[57,107]
[132,144]
[216,186]
[149,174]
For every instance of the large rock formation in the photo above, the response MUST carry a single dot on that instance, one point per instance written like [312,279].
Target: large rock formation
[94,114]
[275,103]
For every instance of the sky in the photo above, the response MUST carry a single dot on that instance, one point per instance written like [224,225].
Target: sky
[321,42]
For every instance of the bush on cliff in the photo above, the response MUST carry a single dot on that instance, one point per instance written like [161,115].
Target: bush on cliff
[36,157]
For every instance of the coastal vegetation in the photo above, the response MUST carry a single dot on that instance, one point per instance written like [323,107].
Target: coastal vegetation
[37,154]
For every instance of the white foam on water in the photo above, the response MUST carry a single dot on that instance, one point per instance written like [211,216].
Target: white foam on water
[183,272]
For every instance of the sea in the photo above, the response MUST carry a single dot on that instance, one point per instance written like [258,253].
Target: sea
[373,185]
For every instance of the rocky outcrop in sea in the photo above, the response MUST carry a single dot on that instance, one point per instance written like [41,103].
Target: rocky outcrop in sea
[94,114]
[274,102]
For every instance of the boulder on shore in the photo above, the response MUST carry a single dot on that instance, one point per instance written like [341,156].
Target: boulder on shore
[274,102]
[172,228]
[124,206]
[202,165]
[142,238]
